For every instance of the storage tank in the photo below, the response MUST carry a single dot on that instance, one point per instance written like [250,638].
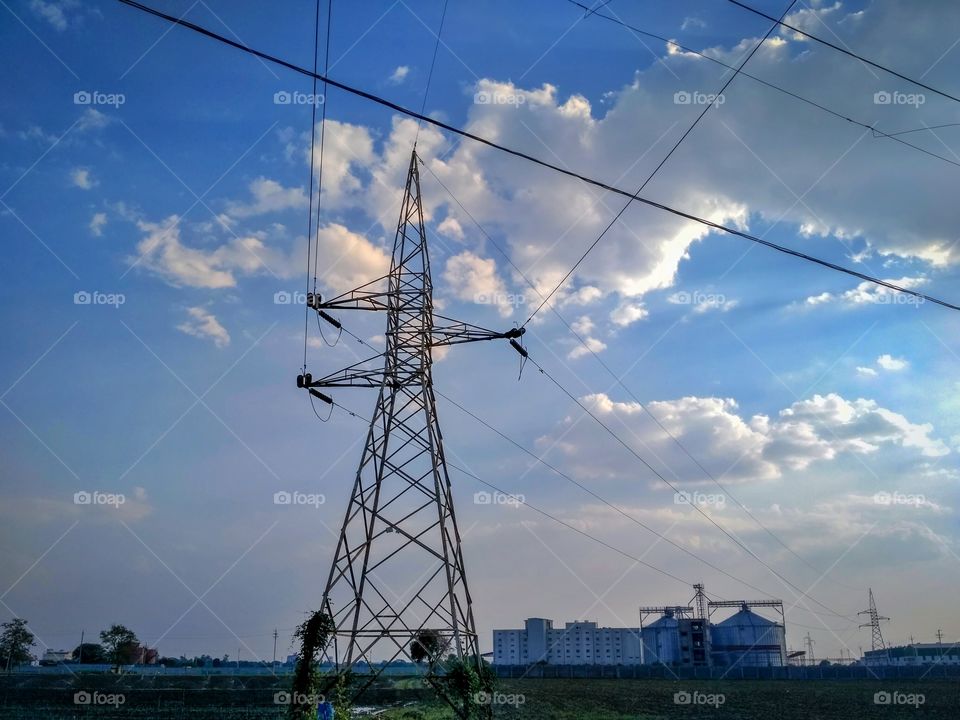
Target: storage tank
[748,639]
[661,641]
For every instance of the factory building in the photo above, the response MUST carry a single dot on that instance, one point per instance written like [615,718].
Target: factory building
[577,643]
[690,636]
[914,654]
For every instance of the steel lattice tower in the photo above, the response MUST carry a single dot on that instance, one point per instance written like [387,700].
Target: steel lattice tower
[398,569]
[876,641]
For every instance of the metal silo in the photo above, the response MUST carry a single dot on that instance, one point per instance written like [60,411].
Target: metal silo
[661,641]
[749,640]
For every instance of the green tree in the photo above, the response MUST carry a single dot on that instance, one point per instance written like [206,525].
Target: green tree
[15,643]
[426,646]
[119,642]
[90,654]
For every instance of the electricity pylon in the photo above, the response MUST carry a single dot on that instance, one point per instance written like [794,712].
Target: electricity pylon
[876,641]
[398,574]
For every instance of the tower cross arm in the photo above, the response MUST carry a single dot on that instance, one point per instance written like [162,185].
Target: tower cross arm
[357,375]
[447,331]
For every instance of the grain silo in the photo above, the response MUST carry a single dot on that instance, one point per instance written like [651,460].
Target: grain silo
[749,640]
[661,640]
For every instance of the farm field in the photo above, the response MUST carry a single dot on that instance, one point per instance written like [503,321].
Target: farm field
[253,699]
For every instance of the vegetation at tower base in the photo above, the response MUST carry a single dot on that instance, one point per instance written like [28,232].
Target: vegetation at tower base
[308,684]
[463,686]
[426,646]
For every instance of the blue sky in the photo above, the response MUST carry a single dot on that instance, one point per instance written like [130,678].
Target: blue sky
[803,391]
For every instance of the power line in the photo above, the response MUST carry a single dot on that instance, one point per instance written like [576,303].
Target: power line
[543,163]
[789,93]
[433,62]
[663,162]
[603,500]
[663,479]
[852,54]
[630,517]
[618,379]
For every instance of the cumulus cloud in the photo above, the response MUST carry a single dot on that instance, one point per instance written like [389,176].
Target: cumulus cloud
[888,362]
[81,178]
[269,196]
[203,324]
[736,448]
[475,279]
[97,223]
[52,12]
[866,371]
[867,293]
[399,74]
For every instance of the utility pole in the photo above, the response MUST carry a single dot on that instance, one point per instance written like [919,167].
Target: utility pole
[80,659]
[274,646]
[939,636]
[400,521]
[809,642]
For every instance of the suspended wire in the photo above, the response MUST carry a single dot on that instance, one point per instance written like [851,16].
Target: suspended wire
[618,380]
[923,129]
[597,496]
[852,54]
[323,128]
[324,337]
[663,162]
[433,61]
[530,158]
[313,133]
[523,501]
[673,487]
[582,487]
[797,96]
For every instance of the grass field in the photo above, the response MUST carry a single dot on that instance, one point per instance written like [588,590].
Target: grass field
[252,699]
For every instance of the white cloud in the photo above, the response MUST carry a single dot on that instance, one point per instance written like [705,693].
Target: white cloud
[592,344]
[733,447]
[52,12]
[97,223]
[399,74]
[82,179]
[451,228]
[888,362]
[269,196]
[627,313]
[868,293]
[866,371]
[92,119]
[692,22]
[474,279]
[204,325]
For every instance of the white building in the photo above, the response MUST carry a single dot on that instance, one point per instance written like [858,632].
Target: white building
[578,643]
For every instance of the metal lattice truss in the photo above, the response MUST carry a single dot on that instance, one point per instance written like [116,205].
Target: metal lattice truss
[398,569]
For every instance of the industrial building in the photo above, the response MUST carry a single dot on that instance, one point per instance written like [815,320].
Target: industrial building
[578,643]
[914,654]
[688,636]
